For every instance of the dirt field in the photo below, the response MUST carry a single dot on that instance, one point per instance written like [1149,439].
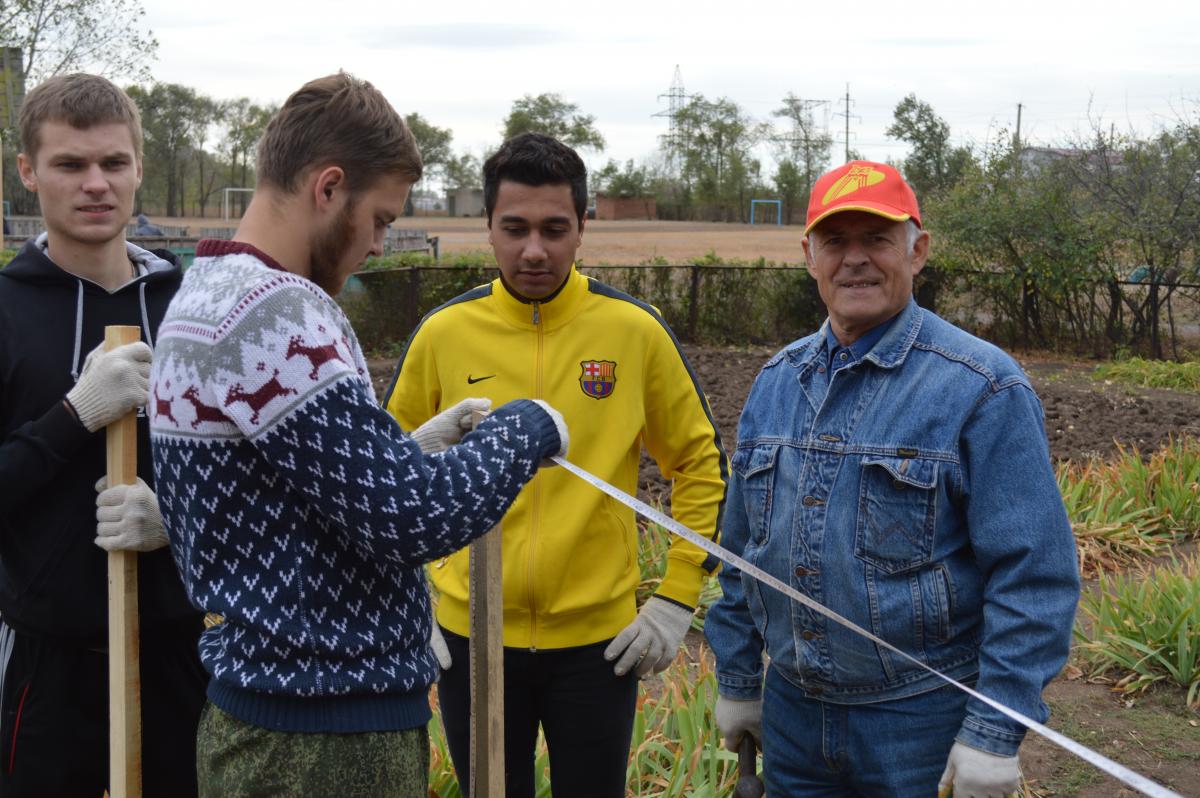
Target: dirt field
[632,242]
[614,242]
[1153,734]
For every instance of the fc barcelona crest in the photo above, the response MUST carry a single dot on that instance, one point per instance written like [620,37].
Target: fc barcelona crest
[599,378]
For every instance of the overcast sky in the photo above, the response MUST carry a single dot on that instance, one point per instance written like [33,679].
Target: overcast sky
[461,63]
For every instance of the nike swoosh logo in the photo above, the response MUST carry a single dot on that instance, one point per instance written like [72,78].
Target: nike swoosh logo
[472,380]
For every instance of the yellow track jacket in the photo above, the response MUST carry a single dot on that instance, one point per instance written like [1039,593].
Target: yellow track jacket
[612,367]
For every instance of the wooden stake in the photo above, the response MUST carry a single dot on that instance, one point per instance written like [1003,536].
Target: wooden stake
[124,676]
[487,664]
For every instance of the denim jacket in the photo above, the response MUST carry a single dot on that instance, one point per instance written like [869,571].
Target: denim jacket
[915,496]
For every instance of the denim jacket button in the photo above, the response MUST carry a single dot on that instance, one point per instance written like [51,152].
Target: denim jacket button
[802,571]
[809,501]
[898,485]
[809,634]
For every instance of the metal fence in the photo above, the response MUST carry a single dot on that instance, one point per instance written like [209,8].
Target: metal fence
[702,303]
[743,305]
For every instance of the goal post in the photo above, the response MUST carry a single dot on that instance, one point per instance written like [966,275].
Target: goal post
[225,204]
[766,211]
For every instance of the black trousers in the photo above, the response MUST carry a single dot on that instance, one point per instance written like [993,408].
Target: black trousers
[586,713]
[54,716]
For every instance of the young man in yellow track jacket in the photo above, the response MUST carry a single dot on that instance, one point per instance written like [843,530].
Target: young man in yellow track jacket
[575,644]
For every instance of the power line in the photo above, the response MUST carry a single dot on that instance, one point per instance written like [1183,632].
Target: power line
[848,116]
[677,98]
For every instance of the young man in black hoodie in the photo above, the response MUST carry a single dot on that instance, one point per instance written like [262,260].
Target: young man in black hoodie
[81,152]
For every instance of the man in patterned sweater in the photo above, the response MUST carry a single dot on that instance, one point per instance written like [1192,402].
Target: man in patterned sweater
[296,508]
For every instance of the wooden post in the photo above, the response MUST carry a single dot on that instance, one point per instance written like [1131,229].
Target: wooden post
[124,676]
[693,303]
[487,664]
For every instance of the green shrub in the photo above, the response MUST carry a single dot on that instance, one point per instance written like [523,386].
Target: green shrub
[1152,373]
[1146,625]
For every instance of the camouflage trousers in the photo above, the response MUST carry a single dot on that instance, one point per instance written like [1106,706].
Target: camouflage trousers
[237,760]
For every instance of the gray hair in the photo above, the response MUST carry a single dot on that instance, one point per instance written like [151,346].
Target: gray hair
[914,232]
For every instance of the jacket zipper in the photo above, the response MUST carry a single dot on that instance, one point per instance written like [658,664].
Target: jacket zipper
[535,512]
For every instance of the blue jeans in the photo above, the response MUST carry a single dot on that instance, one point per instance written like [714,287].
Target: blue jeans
[896,749]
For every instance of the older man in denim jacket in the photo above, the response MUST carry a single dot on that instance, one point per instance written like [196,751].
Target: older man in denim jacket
[894,468]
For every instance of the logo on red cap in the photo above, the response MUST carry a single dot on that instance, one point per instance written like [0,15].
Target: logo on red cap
[858,177]
[862,186]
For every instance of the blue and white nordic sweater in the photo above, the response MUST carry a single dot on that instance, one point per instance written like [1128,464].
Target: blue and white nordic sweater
[299,511]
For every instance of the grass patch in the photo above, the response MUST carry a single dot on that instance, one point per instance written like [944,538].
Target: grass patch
[676,749]
[1128,508]
[1146,626]
[1152,373]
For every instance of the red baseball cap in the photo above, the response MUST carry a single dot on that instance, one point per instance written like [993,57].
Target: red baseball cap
[862,186]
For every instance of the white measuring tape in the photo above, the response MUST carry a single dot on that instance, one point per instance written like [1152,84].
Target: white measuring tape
[1114,769]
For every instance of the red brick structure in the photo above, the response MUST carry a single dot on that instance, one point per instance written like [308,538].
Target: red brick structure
[613,208]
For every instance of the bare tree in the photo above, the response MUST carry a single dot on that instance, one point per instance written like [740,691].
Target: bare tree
[107,37]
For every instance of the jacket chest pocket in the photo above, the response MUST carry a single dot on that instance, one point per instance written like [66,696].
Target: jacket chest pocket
[756,468]
[896,512]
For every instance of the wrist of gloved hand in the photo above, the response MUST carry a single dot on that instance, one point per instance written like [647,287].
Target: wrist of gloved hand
[650,643]
[973,773]
[128,518]
[447,428]
[736,718]
[111,384]
[561,425]
[441,651]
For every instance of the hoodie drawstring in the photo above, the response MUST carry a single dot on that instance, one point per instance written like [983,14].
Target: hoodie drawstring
[145,315]
[75,365]
[78,332]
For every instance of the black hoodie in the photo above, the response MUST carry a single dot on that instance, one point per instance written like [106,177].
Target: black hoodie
[52,574]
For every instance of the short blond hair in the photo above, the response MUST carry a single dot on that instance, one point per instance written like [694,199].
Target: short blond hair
[81,101]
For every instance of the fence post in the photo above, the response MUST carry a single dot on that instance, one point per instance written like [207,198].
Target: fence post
[693,303]
[412,303]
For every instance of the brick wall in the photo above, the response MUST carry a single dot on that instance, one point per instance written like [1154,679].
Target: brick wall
[613,208]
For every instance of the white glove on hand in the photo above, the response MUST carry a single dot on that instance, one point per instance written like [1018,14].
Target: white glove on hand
[652,640]
[440,649]
[561,424]
[112,384]
[447,428]
[736,718]
[128,518]
[977,774]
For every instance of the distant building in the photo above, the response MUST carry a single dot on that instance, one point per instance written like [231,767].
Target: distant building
[464,202]
[427,203]
[614,208]
[1037,158]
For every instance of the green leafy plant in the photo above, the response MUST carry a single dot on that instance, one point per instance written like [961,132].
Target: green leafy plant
[1128,508]
[1152,373]
[1146,625]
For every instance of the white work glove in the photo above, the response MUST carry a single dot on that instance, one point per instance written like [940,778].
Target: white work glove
[561,424]
[128,518]
[111,384]
[977,774]
[652,640]
[440,649]
[736,718]
[447,428]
